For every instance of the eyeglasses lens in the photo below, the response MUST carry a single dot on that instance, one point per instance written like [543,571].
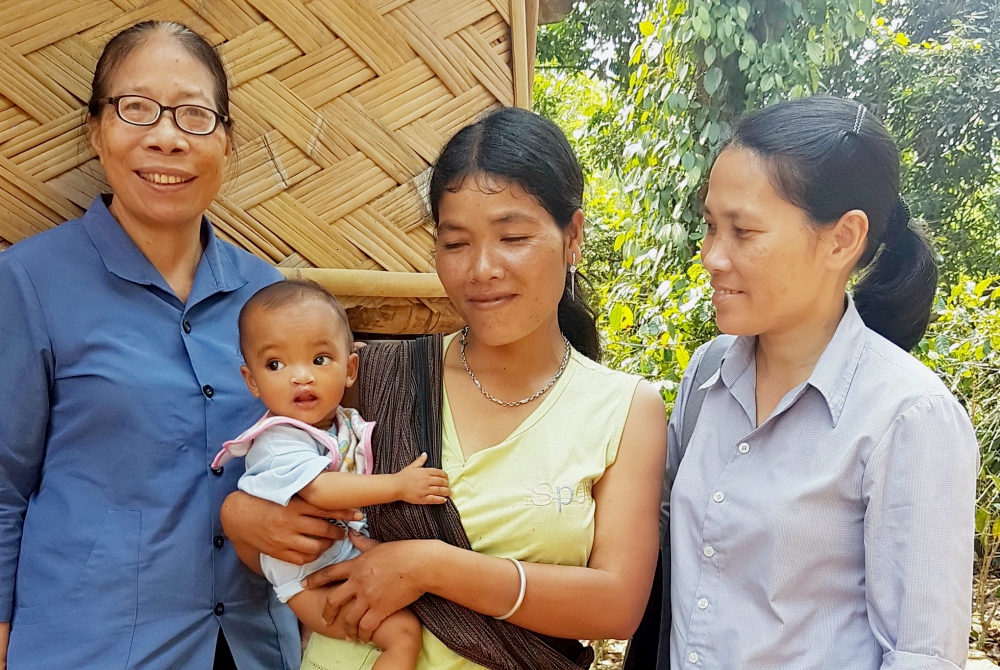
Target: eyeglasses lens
[145,112]
[138,110]
[195,119]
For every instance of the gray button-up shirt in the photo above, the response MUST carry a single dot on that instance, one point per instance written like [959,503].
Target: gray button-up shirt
[839,532]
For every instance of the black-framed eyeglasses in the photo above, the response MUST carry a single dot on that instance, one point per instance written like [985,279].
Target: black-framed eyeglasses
[142,111]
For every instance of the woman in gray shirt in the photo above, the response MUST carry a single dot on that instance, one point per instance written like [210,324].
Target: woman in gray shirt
[823,513]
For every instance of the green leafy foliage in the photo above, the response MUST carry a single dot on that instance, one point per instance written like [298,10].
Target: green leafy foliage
[963,347]
[656,337]
[595,37]
[931,71]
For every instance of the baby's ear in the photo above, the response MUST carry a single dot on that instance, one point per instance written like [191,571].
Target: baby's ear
[352,370]
[248,378]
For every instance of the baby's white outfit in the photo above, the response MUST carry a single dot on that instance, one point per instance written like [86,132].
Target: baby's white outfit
[282,456]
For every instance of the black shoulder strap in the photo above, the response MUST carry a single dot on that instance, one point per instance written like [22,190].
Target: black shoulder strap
[710,362]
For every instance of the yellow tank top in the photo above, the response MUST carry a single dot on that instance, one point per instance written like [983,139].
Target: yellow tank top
[528,497]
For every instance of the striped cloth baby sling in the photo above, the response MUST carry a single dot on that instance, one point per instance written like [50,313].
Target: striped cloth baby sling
[400,389]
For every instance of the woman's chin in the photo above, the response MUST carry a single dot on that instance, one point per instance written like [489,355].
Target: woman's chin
[730,323]
[161,208]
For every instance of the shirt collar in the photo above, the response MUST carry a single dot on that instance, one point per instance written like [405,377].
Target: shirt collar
[120,255]
[834,370]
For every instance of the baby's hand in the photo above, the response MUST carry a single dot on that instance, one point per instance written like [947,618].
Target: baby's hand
[423,486]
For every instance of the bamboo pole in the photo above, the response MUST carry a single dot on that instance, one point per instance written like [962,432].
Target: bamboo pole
[519,54]
[532,42]
[369,284]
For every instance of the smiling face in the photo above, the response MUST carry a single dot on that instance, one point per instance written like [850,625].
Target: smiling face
[502,259]
[298,360]
[771,268]
[160,175]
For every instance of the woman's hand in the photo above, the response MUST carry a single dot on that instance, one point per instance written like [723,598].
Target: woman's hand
[298,533]
[384,579]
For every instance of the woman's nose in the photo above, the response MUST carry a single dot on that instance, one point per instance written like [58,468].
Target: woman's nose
[714,255]
[165,136]
[486,264]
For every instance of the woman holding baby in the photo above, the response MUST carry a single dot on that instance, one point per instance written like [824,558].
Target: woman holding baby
[554,462]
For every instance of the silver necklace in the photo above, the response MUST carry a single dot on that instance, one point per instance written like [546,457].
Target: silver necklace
[525,401]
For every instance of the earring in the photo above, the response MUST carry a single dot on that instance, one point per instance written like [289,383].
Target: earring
[572,279]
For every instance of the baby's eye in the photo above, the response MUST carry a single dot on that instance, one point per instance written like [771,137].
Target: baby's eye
[275,365]
[322,360]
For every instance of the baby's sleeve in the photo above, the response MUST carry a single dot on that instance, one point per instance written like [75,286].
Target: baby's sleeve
[281,462]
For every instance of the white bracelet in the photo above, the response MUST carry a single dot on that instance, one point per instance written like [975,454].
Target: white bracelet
[520,596]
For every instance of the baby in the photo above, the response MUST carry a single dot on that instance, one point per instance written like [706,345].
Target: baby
[299,358]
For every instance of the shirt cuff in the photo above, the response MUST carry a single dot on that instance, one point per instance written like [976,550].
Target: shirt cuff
[280,487]
[904,660]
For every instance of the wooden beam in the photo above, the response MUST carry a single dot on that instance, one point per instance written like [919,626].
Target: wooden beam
[532,42]
[372,283]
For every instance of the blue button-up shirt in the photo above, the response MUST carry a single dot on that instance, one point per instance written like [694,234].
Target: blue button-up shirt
[114,397]
[836,534]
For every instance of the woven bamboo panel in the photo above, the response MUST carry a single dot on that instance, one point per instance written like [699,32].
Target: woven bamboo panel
[340,107]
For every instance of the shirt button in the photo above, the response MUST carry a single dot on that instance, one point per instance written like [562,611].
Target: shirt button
[744,447]
[219,541]
[208,391]
[693,657]
[708,551]
[186,325]
[219,609]
[218,471]
[703,604]
[718,496]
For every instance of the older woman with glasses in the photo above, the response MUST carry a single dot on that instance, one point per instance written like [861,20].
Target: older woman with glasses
[119,379]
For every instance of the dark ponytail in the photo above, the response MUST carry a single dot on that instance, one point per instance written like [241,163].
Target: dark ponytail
[519,147]
[904,270]
[828,156]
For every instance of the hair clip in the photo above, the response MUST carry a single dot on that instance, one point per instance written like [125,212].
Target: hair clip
[901,214]
[859,119]
[898,223]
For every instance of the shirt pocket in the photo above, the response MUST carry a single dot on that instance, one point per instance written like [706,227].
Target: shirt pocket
[101,608]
